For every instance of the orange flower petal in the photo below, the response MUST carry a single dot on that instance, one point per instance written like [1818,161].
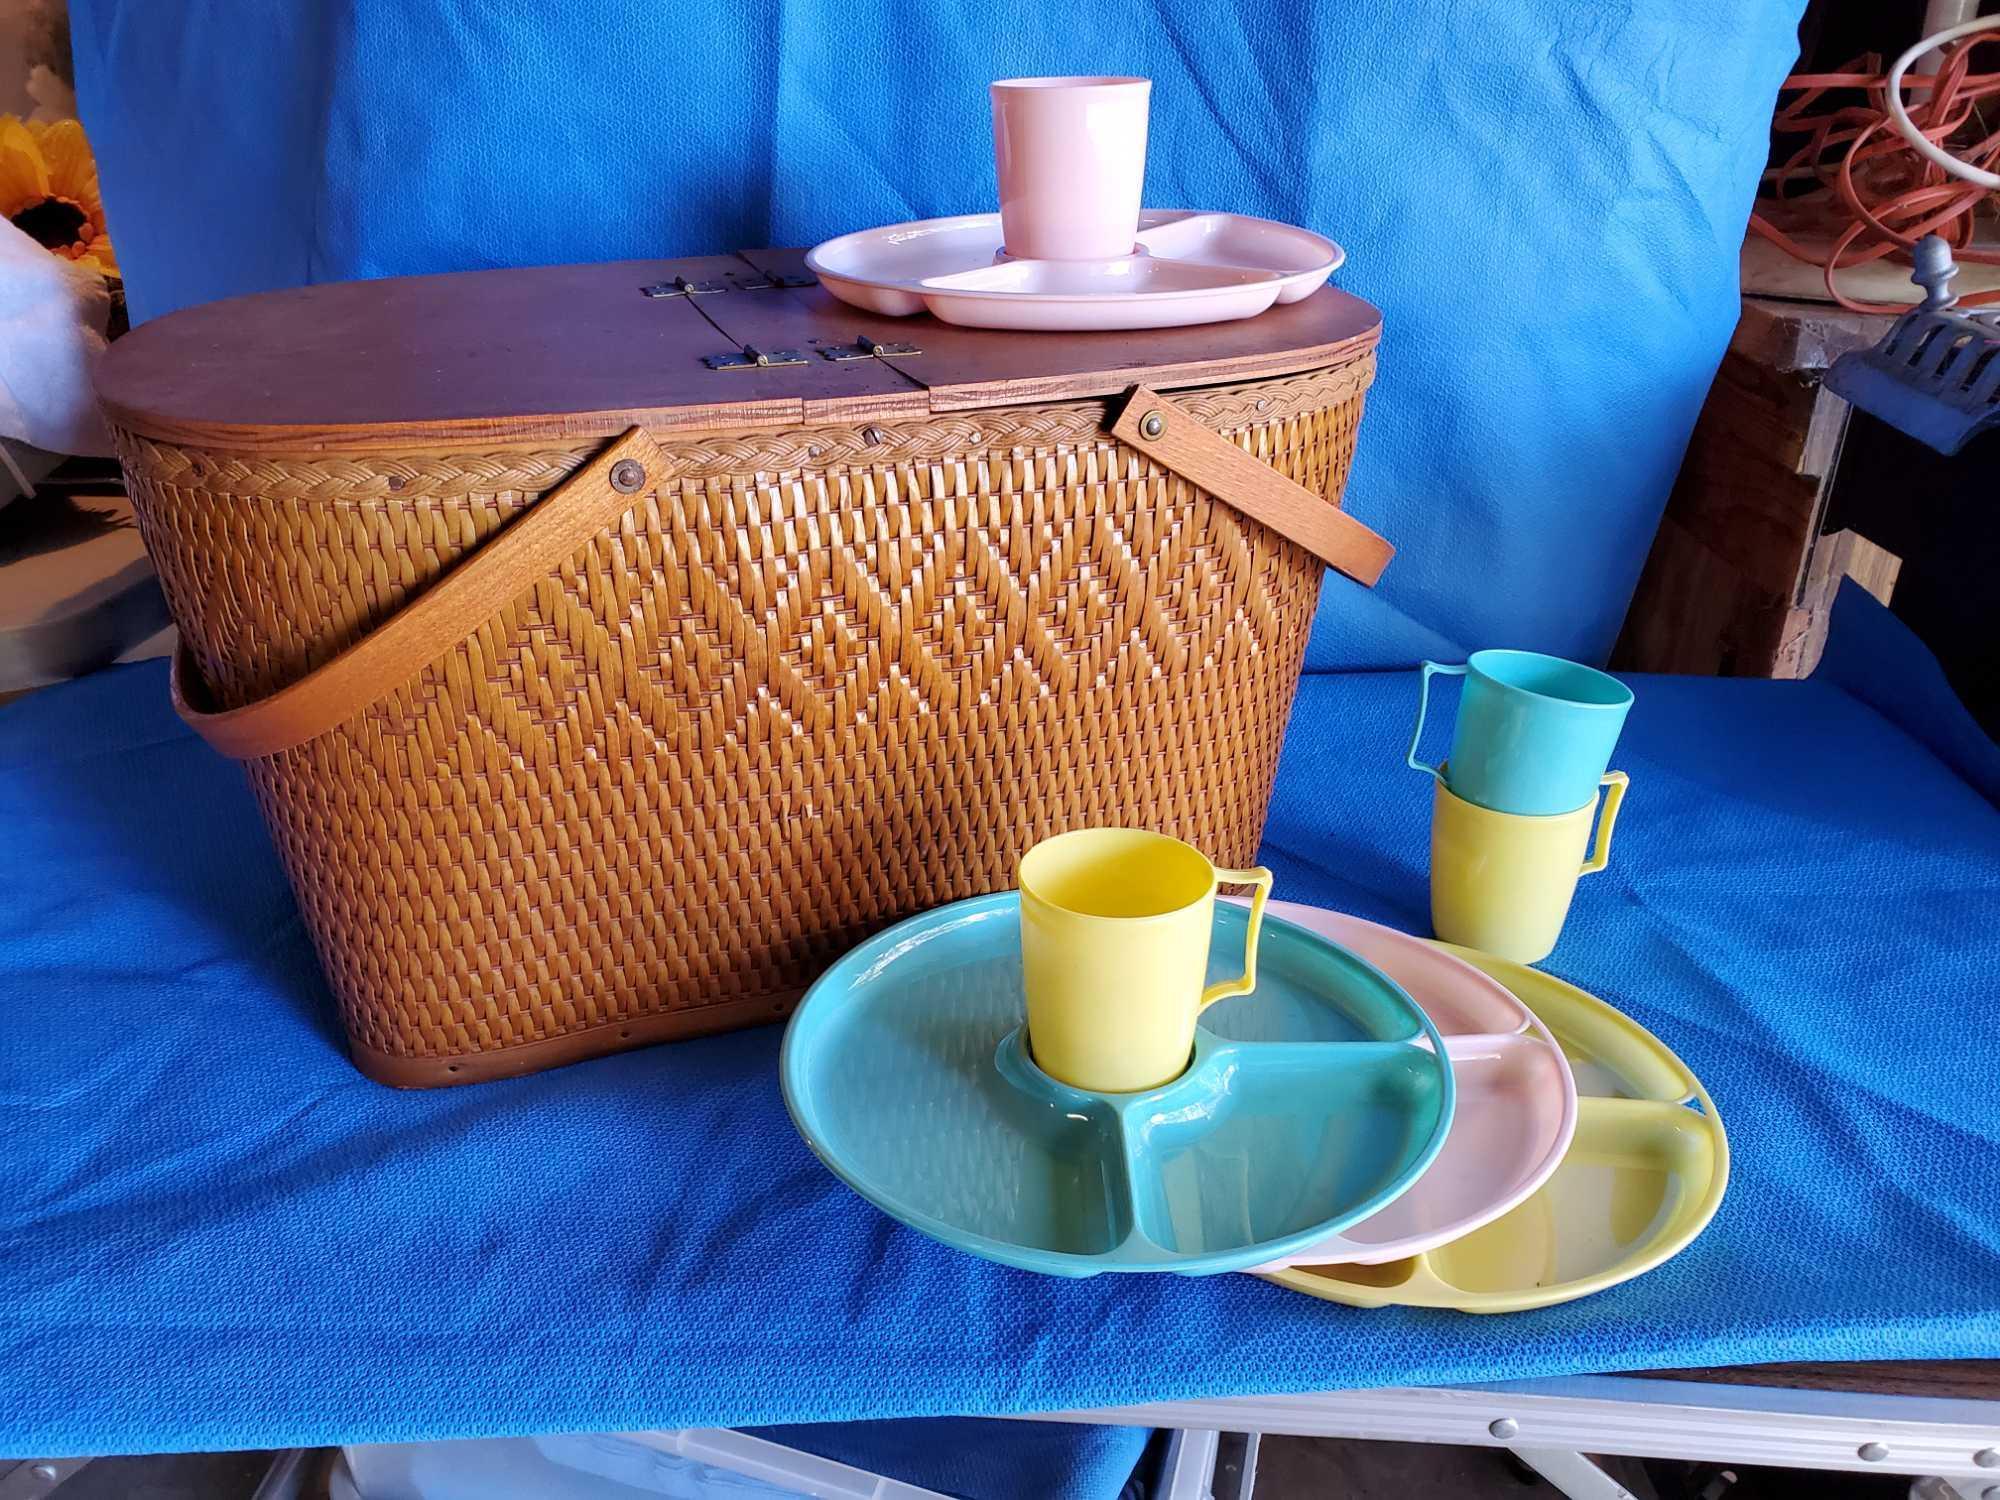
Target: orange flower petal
[72,169]
[24,178]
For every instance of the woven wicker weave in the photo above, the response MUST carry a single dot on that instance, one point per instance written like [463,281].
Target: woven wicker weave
[809,682]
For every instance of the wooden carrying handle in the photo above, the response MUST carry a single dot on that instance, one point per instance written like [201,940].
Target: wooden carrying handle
[1169,436]
[473,592]
[564,520]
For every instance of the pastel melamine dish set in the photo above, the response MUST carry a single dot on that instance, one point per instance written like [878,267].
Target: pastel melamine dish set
[1379,1120]
[1071,248]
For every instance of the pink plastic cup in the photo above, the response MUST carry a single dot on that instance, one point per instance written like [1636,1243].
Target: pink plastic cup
[1072,159]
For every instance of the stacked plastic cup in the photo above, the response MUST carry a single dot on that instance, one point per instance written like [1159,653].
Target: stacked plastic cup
[1518,796]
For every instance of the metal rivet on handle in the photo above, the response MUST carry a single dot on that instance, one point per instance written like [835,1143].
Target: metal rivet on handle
[1987,1458]
[1153,424]
[627,475]
[1872,1453]
[1503,1428]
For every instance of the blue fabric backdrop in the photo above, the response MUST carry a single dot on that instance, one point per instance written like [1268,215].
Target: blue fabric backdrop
[1545,197]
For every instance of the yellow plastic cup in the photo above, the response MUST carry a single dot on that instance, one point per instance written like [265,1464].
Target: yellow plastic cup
[1502,882]
[1115,926]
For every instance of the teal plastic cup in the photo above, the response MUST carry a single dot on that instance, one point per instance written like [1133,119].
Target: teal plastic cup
[1534,734]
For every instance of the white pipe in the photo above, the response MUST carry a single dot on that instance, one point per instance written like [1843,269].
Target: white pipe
[1942,15]
[1899,114]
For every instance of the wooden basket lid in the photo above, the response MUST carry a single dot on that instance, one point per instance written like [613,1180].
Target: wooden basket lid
[566,352]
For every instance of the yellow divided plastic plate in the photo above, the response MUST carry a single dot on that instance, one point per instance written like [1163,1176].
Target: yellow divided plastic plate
[1644,1175]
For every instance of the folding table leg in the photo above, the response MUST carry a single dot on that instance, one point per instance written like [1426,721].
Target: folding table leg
[1203,1464]
[1189,1467]
[1572,1473]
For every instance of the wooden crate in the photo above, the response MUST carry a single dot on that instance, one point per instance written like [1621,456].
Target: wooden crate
[1742,575]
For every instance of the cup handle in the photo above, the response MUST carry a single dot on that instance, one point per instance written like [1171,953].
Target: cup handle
[1614,784]
[1423,707]
[1226,988]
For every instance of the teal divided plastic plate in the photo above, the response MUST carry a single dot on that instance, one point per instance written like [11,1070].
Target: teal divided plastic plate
[1308,1105]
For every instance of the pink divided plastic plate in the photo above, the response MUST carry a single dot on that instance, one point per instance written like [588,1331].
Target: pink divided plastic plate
[1516,1098]
[1185,268]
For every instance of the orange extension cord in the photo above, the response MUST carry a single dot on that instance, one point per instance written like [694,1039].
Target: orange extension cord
[1876,196]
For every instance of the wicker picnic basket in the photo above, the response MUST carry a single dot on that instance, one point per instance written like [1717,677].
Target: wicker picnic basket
[596,695]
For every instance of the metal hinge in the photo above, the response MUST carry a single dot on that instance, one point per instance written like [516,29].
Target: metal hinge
[750,357]
[867,348]
[680,286]
[757,281]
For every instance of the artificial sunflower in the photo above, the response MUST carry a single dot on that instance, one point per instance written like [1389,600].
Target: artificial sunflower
[48,190]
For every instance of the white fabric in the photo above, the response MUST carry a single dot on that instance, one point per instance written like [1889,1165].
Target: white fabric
[53,314]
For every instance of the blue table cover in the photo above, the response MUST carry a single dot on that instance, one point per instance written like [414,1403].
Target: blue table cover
[214,1232]
[1546,199]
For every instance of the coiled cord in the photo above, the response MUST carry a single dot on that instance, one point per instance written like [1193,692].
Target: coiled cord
[1877,192]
